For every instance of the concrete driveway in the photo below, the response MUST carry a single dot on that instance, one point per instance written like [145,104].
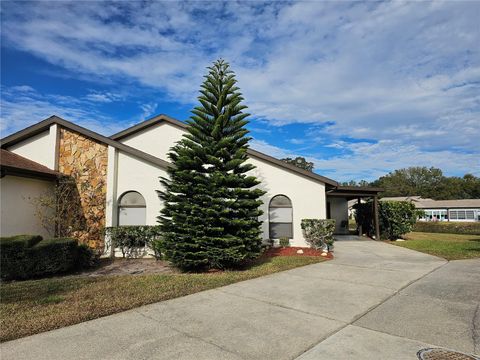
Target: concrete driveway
[374,301]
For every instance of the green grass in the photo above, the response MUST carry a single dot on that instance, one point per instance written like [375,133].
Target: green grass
[34,306]
[448,246]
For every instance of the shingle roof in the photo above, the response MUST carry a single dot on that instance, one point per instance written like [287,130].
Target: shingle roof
[422,203]
[402,198]
[14,164]
[461,203]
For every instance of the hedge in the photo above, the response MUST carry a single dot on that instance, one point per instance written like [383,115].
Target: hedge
[14,253]
[28,256]
[133,240]
[53,256]
[469,228]
[396,218]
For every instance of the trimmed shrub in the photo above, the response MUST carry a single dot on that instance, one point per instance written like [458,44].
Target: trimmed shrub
[284,242]
[396,218]
[86,257]
[319,232]
[14,255]
[450,227]
[132,240]
[27,256]
[28,240]
[158,248]
[53,256]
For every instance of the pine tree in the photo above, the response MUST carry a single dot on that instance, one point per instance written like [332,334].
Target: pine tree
[211,204]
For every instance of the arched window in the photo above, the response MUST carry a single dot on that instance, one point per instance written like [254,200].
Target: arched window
[280,216]
[131,209]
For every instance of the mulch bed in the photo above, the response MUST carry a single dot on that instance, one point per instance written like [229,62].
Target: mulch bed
[292,251]
[120,266]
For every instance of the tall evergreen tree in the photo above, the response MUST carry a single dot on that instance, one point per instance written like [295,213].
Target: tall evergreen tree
[211,204]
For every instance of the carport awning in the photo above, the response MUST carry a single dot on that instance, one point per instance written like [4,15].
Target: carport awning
[357,192]
[354,192]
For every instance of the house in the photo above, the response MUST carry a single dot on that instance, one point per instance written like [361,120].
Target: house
[464,210]
[118,176]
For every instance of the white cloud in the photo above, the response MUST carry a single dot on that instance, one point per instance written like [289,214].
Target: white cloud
[296,141]
[265,147]
[105,97]
[367,161]
[23,89]
[148,110]
[407,72]
[23,106]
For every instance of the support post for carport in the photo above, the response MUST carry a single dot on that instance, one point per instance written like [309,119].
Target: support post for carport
[360,230]
[375,217]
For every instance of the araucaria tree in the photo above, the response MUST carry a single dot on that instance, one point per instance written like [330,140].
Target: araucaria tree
[211,202]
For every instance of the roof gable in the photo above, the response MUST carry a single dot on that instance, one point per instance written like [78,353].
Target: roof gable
[147,124]
[45,124]
[253,153]
[114,141]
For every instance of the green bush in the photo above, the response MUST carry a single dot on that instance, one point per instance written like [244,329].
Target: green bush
[158,248]
[25,257]
[28,240]
[450,227]
[86,257]
[132,240]
[396,218]
[53,256]
[14,252]
[319,232]
[284,242]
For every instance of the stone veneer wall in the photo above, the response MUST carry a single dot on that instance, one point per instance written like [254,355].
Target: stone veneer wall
[86,161]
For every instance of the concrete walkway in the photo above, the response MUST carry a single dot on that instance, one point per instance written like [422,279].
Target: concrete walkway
[373,301]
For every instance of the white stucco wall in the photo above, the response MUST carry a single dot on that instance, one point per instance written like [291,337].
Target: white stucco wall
[143,177]
[155,140]
[129,173]
[307,195]
[339,212]
[39,148]
[17,214]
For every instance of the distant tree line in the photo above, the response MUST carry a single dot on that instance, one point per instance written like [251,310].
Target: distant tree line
[354,183]
[416,180]
[425,182]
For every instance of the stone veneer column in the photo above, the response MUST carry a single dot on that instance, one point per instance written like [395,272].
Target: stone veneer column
[86,161]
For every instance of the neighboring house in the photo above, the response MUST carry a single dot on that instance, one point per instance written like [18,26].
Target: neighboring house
[444,210]
[119,176]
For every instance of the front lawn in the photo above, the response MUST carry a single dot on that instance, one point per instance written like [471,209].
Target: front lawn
[34,306]
[448,246]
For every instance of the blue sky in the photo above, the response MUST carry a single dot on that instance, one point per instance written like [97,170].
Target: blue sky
[358,88]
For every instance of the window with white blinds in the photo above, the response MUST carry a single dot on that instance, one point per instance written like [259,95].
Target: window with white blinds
[280,215]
